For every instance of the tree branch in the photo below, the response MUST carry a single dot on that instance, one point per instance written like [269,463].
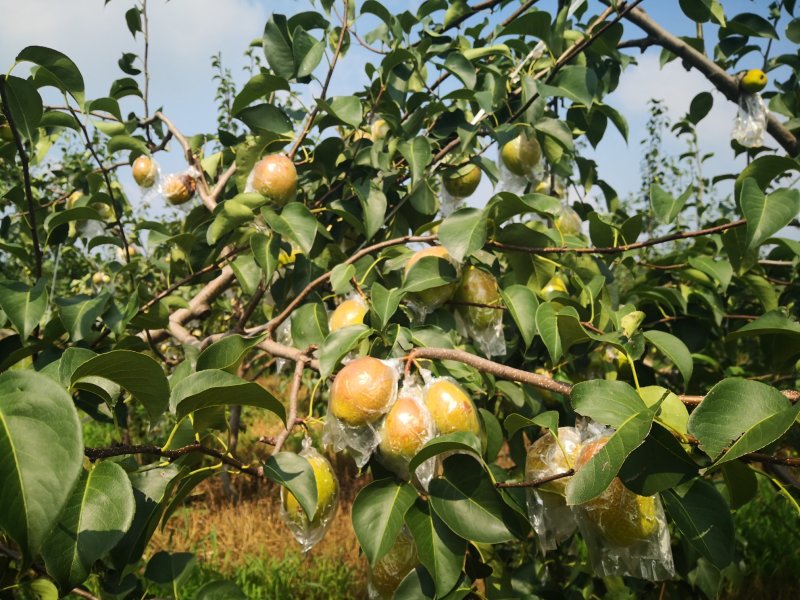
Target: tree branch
[94,454]
[535,482]
[291,417]
[724,82]
[26,178]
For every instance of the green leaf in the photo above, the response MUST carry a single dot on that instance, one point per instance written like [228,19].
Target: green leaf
[25,106]
[459,66]
[464,232]
[750,24]
[259,86]
[227,353]
[346,109]
[265,118]
[466,500]
[309,325]
[766,215]
[341,276]
[608,402]
[516,422]
[337,344]
[296,474]
[741,416]
[463,441]
[701,105]
[142,376]
[429,272]
[278,46]
[522,304]
[24,306]
[704,518]
[79,313]
[170,568]
[230,215]
[741,483]
[417,153]
[213,387]
[658,464]
[266,251]
[666,208]
[547,326]
[41,453]
[577,83]
[219,590]
[771,323]
[675,350]
[764,170]
[720,270]
[384,302]
[296,222]
[439,549]
[373,207]
[58,69]
[119,143]
[378,512]
[95,517]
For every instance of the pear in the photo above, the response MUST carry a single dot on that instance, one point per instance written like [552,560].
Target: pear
[145,171]
[436,296]
[451,407]
[478,286]
[462,182]
[275,177]
[350,312]
[363,391]
[521,155]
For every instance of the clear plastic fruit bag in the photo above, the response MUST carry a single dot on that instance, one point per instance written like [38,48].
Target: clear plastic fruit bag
[362,392]
[350,311]
[751,121]
[407,427]
[387,574]
[479,313]
[626,534]
[307,531]
[551,518]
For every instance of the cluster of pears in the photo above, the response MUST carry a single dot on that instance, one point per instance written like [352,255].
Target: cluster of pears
[475,286]
[177,188]
[308,531]
[621,517]
[364,394]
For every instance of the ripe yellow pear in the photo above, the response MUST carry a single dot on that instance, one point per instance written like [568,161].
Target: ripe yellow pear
[100,278]
[521,155]
[753,81]
[362,391]
[392,568]
[275,177]
[479,287]
[545,458]
[145,171]
[6,135]
[436,296]
[451,408]
[327,494]
[349,312]
[622,517]
[179,189]
[462,182]
[404,431]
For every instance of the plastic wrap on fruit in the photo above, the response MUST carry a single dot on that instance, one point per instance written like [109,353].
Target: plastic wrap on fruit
[284,336]
[451,408]
[178,188]
[458,184]
[362,392]
[147,174]
[751,121]
[480,312]
[567,221]
[350,311]
[275,178]
[407,427]
[426,301]
[551,518]
[310,531]
[626,534]
[387,574]
[520,163]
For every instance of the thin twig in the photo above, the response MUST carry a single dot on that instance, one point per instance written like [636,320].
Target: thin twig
[291,417]
[315,111]
[26,178]
[535,482]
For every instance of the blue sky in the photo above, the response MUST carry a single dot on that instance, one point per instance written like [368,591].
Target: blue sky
[185,33]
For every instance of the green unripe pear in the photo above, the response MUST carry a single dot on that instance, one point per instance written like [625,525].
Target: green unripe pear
[546,457]
[392,568]
[521,155]
[435,296]
[462,182]
[478,286]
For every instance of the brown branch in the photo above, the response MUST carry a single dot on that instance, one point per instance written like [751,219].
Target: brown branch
[640,43]
[94,454]
[315,111]
[475,304]
[26,178]
[488,366]
[251,306]
[535,482]
[618,249]
[775,460]
[291,417]
[724,82]
[273,324]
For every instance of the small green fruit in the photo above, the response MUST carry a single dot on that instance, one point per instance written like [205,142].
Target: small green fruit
[389,571]
[463,182]
[478,286]
[521,155]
